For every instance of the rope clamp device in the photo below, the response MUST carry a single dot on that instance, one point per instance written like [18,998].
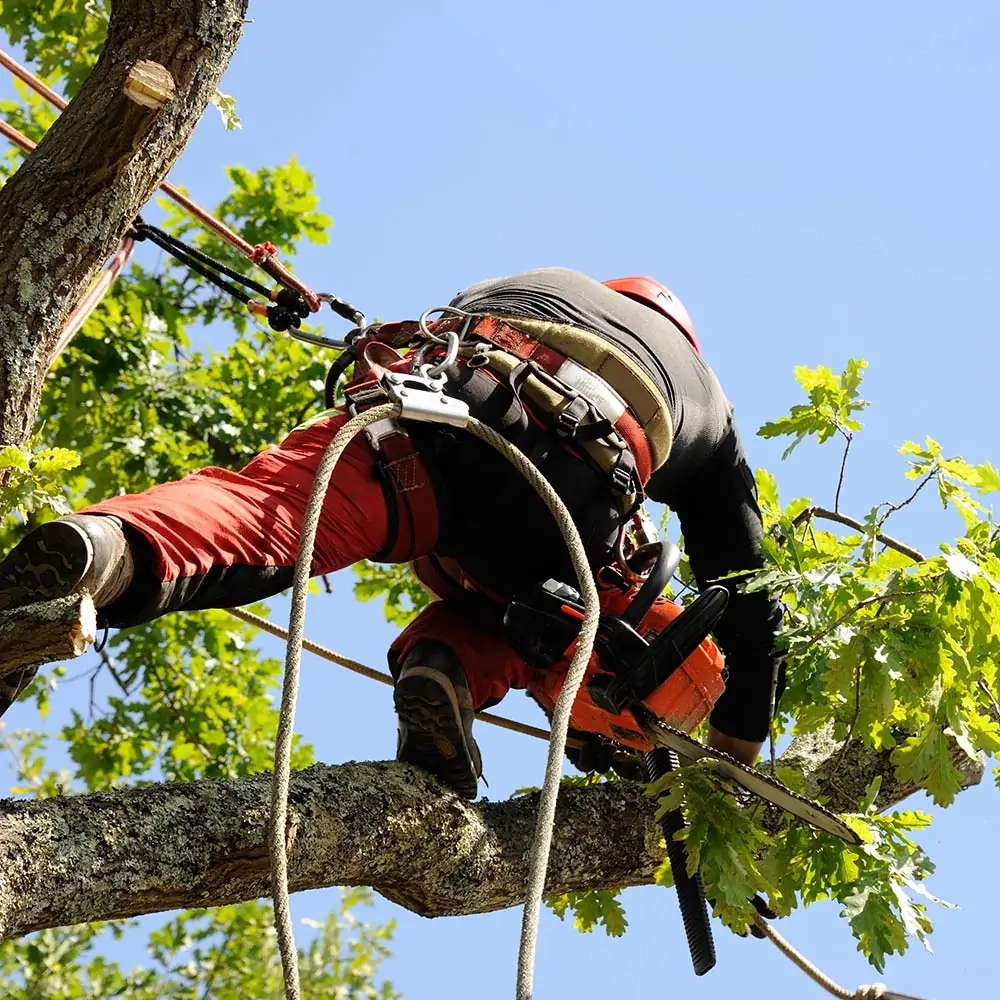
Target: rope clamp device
[421,397]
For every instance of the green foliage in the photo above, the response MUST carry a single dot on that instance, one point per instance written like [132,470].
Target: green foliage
[227,110]
[896,652]
[31,482]
[228,953]
[721,840]
[832,402]
[599,907]
[62,38]
[403,596]
[196,701]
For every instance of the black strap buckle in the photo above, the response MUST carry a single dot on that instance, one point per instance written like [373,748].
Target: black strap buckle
[623,475]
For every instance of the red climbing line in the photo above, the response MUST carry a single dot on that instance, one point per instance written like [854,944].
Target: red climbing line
[264,255]
[96,292]
[12,135]
[9,63]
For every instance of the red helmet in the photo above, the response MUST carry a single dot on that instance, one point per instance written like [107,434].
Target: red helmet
[651,293]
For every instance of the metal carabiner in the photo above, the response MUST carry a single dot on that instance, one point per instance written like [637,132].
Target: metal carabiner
[453,340]
[345,311]
[451,310]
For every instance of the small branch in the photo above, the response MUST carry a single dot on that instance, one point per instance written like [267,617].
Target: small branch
[891,508]
[854,721]
[213,972]
[896,595]
[45,632]
[106,661]
[831,515]
[843,467]
[984,687]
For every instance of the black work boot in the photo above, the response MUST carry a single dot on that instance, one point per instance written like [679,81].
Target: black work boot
[435,718]
[77,552]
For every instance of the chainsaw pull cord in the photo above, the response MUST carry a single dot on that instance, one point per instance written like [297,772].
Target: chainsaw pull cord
[542,839]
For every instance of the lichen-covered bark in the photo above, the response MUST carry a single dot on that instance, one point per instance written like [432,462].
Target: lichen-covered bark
[117,854]
[42,633]
[65,209]
[840,775]
[162,847]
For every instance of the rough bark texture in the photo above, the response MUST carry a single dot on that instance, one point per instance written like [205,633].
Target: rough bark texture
[840,775]
[117,854]
[163,847]
[65,209]
[42,633]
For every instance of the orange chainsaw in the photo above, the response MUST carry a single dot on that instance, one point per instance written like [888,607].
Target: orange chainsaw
[655,673]
[653,678]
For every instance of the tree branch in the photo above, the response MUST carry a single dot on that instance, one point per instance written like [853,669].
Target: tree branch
[831,515]
[161,847]
[839,773]
[142,850]
[42,633]
[65,209]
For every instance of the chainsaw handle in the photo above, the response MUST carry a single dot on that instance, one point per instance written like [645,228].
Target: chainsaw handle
[667,560]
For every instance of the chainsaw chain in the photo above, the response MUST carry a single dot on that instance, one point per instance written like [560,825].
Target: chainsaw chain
[666,736]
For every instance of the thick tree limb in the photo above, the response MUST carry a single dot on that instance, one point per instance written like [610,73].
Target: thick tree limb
[841,774]
[118,854]
[68,205]
[43,633]
[163,847]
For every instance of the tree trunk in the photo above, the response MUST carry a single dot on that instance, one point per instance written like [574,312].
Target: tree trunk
[65,209]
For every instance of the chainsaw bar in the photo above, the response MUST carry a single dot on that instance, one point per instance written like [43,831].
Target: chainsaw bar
[769,789]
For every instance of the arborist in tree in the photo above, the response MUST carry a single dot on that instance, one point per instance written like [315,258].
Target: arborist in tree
[602,385]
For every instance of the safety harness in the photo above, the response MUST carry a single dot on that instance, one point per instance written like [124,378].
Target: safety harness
[594,398]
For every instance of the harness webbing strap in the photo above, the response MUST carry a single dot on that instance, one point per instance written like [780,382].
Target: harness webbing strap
[417,530]
[646,424]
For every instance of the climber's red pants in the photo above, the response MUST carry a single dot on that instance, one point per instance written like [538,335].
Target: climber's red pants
[218,539]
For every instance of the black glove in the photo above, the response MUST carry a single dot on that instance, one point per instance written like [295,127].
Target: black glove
[601,755]
[763,910]
[760,905]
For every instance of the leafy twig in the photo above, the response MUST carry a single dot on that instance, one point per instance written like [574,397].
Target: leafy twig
[843,466]
[896,595]
[984,687]
[831,515]
[891,508]
[213,972]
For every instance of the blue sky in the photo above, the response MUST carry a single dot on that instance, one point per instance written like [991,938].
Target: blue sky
[816,182]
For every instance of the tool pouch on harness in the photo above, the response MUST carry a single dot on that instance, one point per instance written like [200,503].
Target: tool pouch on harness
[519,381]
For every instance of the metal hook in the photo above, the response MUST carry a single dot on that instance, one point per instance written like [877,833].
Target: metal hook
[453,340]
[450,310]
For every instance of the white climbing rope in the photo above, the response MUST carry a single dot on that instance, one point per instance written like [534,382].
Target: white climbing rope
[542,840]
[873,991]
[544,823]
[382,677]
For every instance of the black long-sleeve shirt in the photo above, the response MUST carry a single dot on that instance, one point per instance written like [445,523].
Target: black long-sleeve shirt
[706,480]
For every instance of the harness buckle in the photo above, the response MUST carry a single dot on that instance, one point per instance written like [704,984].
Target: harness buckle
[382,428]
[623,475]
[421,397]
